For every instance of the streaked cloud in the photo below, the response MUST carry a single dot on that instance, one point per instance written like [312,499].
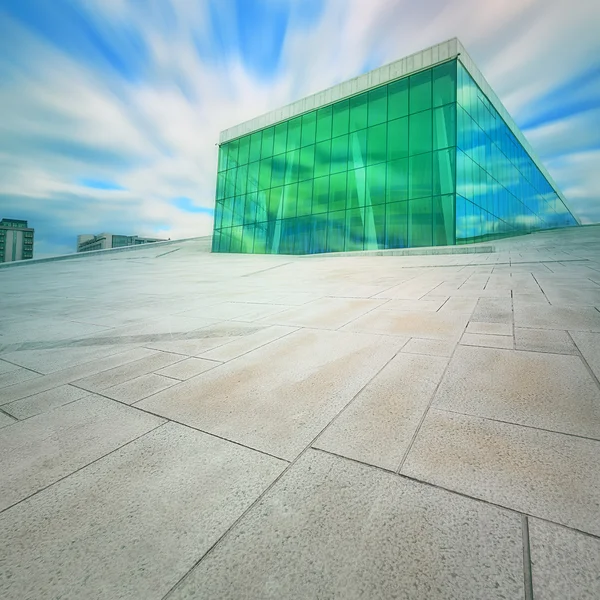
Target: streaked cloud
[111,109]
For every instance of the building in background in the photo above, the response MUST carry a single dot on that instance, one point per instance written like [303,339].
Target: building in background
[16,240]
[420,152]
[101,241]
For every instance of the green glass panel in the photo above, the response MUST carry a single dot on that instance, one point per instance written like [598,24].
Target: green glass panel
[232,154]
[341,117]
[280,140]
[230,182]
[264,179]
[444,83]
[294,130]
[244,150]
[396,225]
[337,192]
[376,144]
[354,229]
[303,231]
[305,190]
[225,240]
[320,195]
[379,225]
[268,137]
[356,188]
[397,180]
[307,163]
[260,238]
[221,180]
[444,126]
[251,207]
[339,154]
[238,209]
[255,143]
[324,121]
[253,173]
[397,138]
[290,198]
[222,158]
[322,158]
[275,196]
[309,128]
[357,149]
[318,237]
[420,91]
[376,183]
[292,166]
[241,178]
[443,171]
[227,213]
[420,223]
[377,112]
[420,135]
[236,239]
[336,228]
[419,176]
[218,214]
[278,166]
[358,112]
[248,239]
[398,99]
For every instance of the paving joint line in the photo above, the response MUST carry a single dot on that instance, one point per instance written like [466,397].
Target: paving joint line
[583,359]
[527,571]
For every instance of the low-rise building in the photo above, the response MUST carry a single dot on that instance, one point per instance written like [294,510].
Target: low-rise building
[101,241]
[16,240]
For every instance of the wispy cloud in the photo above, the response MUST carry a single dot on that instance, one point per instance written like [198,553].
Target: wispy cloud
[111,109]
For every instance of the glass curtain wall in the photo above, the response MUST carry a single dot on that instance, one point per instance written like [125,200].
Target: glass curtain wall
[500,191]
[373,171]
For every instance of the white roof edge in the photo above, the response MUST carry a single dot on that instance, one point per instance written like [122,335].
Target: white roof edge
[395,70]
[480,80]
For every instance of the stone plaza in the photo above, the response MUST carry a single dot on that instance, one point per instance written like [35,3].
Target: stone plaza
[181,424]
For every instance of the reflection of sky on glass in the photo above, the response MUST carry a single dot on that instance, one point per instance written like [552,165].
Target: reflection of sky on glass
[111,108]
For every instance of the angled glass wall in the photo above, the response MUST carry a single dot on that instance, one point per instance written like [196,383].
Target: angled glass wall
[373,171]
[499,189]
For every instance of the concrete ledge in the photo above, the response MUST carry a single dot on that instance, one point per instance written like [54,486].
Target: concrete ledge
[409,251]
[105,252]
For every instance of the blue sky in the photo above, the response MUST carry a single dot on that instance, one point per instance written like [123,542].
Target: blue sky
[110,110]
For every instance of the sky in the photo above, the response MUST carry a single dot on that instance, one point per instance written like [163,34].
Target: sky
[110,110]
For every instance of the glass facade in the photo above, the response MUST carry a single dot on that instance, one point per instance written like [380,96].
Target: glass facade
[391,167]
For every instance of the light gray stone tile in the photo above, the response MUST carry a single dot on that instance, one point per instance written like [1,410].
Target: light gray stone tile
[490,328]
[6,367]
[247,343]
[6,420]
[48,382]
[44,401]
[18,375]
[379,425]
[576,318]
[278,397]
[548,391]
[488,341]
[139,388]
[492,310]
[544,474]
[447,326]
[460,305]
[544,340]
[325,313]
[564,563]
[41,450]
[112,377]
[589,346]
[332,528]
[430,347]
[190,367]
[413,305]
[132,524]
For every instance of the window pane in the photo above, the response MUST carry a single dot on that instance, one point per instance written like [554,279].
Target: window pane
[358,112]
[322,158]
[339,154]
[376,144]
[398,99]
[252,182]
[443,220]
[419,128]
[337,192]
[444,126]
[290,198]
[309,128]
[443,171]
[307,163]
[280,142]
[396,234]
[255,142]
[304,206]
[324,123]
[397,180]
[320,195]
[354,230]
[444,83]
[420,91]
[336,227]
[244,150]
[341,116]
[292,166]
[222,158]
[264,179]
[420,223]
[377,106]
[419,175]
[294,128]
[398,138]
[376,183]
[278,170]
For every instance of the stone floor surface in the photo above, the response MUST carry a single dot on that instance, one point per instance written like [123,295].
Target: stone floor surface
[176,424]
